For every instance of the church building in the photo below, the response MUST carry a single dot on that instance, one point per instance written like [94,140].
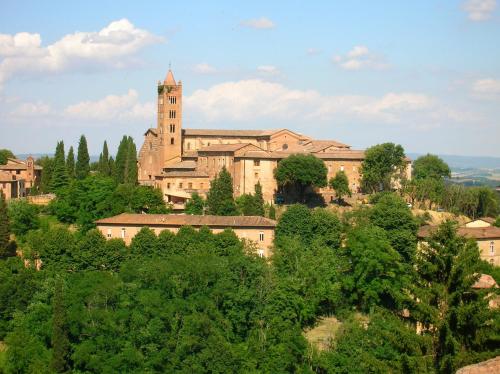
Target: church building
[181,161]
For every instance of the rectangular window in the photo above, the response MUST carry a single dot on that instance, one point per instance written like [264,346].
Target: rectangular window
[123,233]
[172,128]
[168,185]
[171,114]
[172,99]
[171,140]
[190,185]
[201,186]
[18,171]
[261,253]
[261,236]
[342,168]
[109,233]
[256,162]
[492,248]
[180,185]
[161,101]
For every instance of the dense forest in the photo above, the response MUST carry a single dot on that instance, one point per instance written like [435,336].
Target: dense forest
[198,302]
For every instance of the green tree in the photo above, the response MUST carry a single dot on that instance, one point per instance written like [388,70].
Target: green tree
[430,166]
[59,340]
[393,215]
[82,167]
[300,172]
[5,154]
[195,205]
[144,243]
[4,226]
[59,174]
[131,171]
[47,163]
[456,317]
[259,201]
[220,200]
[378,276]
[104,167]
[23,217]
[383,165]
[340,183]
[70,163]
[272,212]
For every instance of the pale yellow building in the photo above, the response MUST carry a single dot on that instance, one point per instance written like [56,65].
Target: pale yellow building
[182,161]
[486,236]
[258,231]
[20,170]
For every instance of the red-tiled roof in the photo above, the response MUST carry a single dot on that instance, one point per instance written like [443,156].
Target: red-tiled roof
[186,220]
[228,133]
[490,232]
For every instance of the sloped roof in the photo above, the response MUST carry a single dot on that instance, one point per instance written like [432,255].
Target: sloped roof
[486,367]
[151,130]
[489,220]
[485,281]
[169,80]
[223,147]
[187,220]
[490,232]
[228,133]
[16,164]
[182,165]
[319,145]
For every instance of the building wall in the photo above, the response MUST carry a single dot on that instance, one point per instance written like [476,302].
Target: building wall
[13,189]
[194,143]
[477,223]
[490,250]
[171,185]
[251,234]
[251,171]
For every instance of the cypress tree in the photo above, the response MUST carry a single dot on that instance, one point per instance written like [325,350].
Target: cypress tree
[59,174]
[82,168]
[4,226]
[104,162]
[70,163]
[220,200]
[131,171]
[48,167]
[272,212]
[258,200]
[121,160]
[60,342]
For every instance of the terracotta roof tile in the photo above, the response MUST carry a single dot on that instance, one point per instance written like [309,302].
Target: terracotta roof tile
[490,232]
[187,220]
[228,133]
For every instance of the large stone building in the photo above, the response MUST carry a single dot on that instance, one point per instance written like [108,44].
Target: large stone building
[18,177]
[182,161]
[258,231]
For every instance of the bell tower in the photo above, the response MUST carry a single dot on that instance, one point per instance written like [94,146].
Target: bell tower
[170,119]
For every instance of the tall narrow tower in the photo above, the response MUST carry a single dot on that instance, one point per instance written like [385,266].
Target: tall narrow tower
[170,119]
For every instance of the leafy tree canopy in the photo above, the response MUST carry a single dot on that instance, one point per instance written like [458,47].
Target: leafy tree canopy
[430,166]
[383,164]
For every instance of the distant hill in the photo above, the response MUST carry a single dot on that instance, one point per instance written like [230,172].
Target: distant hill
[23,156]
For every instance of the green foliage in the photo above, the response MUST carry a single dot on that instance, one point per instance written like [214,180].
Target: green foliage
[5,154]
[195,205]
[430,166]
[301,172]
[317,227]
[340,183]
[458,319]
[59,177]
[220,200]
[251,205]
[104,166]
[70,163]
[82,167]
[4,226]
[48,167]
[382,344]
[59,339]
[272,212]
[383,164]
[144,244]
[377,276]
[125,165]
[23,217]
[392,214]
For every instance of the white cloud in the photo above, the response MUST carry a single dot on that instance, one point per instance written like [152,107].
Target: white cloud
[112,108]
[258,23]
[249,100]
[204,68]
[111,46]
[30,110]
[268,69]
[313,51]
[479,10]
[360,57]
[487,87]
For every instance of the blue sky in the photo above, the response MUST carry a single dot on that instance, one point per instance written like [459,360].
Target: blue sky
[425,74]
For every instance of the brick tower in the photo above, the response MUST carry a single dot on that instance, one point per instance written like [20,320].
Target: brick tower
[170,119]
